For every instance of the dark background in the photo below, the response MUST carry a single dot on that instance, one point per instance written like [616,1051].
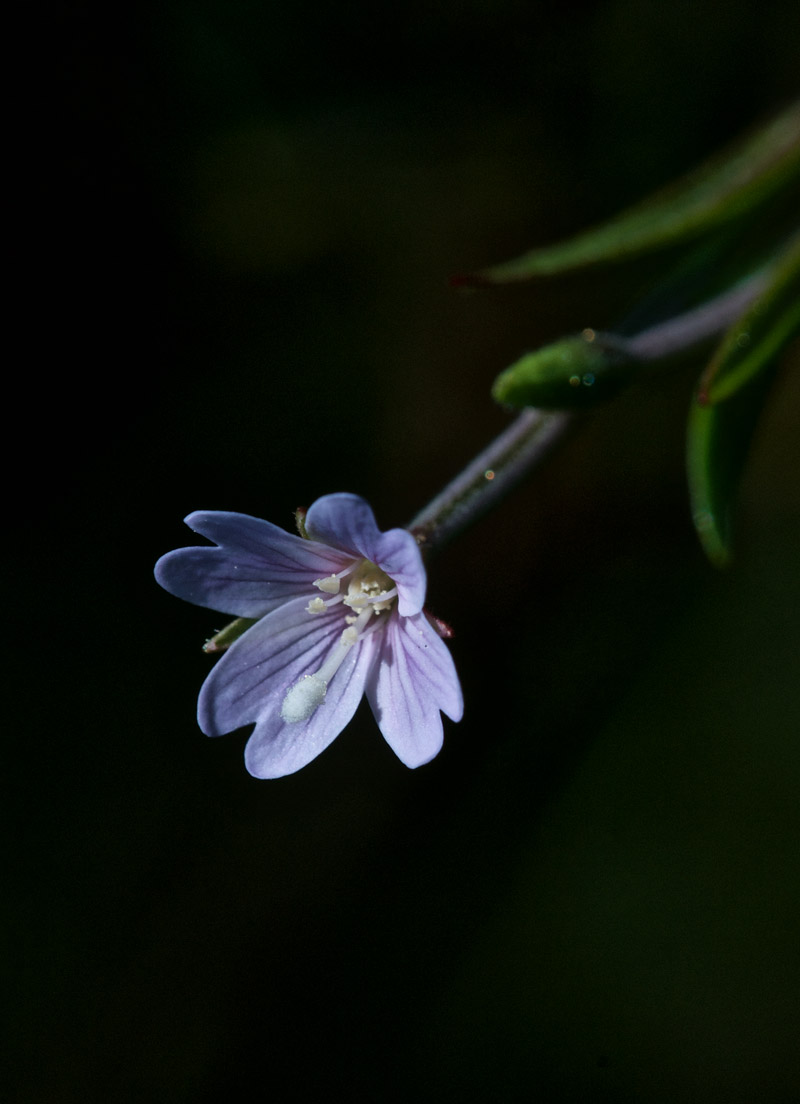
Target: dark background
[248,213]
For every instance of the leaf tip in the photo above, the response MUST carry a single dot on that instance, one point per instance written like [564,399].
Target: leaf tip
[712,540]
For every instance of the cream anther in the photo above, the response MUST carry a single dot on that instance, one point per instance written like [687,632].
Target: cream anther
[330,584]
[316,605]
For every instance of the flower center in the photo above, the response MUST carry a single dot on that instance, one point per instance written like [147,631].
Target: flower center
[370,592]
[369,586]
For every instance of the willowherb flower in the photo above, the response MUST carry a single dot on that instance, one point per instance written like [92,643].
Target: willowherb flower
[338,614]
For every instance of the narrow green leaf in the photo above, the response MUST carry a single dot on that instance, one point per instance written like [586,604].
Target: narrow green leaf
[573,373]
[758,337]
[718,439]
[725,189]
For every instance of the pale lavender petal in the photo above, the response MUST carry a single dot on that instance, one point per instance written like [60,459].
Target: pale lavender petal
[344,521]
[347,522]
[257,567]
[259,668]
[399,556]
[414,677]
[277,748]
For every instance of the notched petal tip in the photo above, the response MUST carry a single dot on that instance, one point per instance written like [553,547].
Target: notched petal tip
[281,744]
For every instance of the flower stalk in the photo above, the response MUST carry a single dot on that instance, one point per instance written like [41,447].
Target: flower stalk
[489,477]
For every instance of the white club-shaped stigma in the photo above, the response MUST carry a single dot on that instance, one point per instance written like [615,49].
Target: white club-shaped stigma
[303,699]
[309,693]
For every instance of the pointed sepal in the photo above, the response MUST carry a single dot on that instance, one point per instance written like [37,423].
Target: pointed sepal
[221,641]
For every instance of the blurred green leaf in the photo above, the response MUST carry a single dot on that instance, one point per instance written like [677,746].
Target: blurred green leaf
[723,190]
[718,439]
[571,374]
[759,335]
